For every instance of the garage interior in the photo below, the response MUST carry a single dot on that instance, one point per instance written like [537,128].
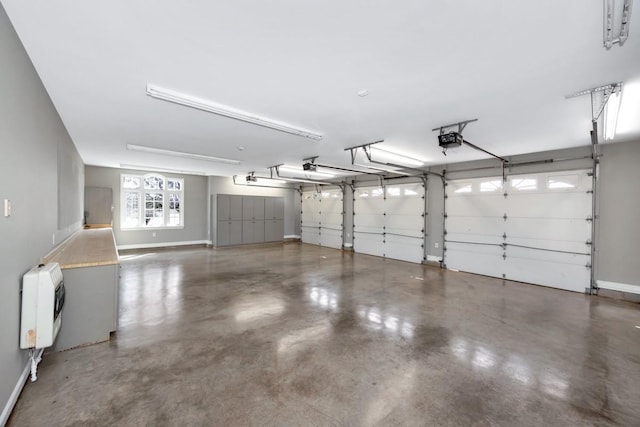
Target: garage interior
[335,214]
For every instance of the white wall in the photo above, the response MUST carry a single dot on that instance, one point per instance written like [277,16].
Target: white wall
[618,237]
[40,168]
[195,209]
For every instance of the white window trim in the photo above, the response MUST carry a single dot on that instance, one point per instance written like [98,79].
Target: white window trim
[166,192]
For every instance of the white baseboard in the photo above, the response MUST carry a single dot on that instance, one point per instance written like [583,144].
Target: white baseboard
[434,258]
[6,412]
[292,236]
[163,244]
[348,245]
[620,287]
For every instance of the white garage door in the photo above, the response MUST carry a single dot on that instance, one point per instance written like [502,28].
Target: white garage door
[322,218]
[539,232]
[391,226]
[310,217]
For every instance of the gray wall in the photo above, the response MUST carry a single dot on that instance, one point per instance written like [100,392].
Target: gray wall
[618,237]
[195,208]
[225,185]
[32,137]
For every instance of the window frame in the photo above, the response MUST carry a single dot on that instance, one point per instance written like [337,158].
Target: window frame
[141,193]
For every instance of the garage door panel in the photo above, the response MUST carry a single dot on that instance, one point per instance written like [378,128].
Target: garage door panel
[471,225]
[332,219]
[546,245]
[399,217]
[310,235]
[371,244]
[404,206]
[368,221]
[331,238]
[546,229]
[549,205]
[549,229]
[404,222]
[404,248]
[555,270]
[480,259]
[473,238]
[484,205]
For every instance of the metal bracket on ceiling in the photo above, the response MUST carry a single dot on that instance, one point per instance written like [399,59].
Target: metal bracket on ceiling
[460,125]
[366,148]
[599,97]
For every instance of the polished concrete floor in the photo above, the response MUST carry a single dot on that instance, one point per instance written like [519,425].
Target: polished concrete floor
[297,335]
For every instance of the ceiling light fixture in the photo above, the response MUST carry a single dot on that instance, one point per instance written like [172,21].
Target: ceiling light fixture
[605,101]
[164,152]
[611,111]
[226,111]
[611,12]
[155,169]
[392,157]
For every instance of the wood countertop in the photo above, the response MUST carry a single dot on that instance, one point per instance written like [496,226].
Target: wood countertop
[86,248]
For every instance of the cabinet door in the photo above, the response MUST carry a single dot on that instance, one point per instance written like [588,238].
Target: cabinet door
[247,232]
[258,208]
[235,208]
[258,231]
[247,208]
[273,208]
[273,230]
[223,206]
[235,232]
[229,233]
[222,233]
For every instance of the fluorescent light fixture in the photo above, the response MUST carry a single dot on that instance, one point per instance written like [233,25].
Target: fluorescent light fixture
[300,171]
[164,152]
[629,109]
[614,12]
[381,155]
[611,115]
[154,169]
[226,111]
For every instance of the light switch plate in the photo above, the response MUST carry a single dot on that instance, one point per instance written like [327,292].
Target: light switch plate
[7,208]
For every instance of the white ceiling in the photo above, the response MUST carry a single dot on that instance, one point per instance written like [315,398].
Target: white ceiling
[425,63]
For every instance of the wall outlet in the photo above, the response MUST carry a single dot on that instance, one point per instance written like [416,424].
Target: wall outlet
[436,244]
[153,234]
[7,207]
[53,238]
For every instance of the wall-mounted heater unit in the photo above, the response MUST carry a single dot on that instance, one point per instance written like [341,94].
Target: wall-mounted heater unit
[41,316]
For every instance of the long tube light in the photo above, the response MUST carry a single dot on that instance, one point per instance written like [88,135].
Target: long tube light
[160,169]
[613,10]
[386,155]
[226,111]
[611,115]
[164,152]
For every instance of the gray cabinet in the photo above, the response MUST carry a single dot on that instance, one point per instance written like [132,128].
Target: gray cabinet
[229,233]
[252,208]
[229,220]
[252,231]
[274,208]
[249,219]
[273,230]
[274,219]
[229,207]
